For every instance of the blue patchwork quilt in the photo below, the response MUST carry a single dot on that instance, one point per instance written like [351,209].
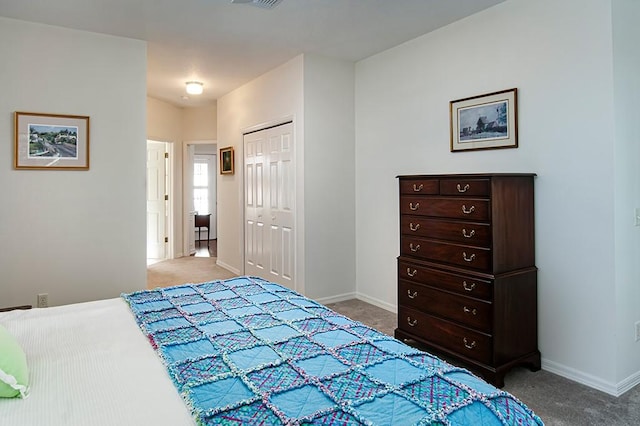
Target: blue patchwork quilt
[246,351]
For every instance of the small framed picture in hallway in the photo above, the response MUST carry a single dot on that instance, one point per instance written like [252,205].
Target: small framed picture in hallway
[51,141]
[226,160]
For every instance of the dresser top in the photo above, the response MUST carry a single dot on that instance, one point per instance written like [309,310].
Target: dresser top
[465,175]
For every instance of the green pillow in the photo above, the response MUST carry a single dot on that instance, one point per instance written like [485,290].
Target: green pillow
[14,375]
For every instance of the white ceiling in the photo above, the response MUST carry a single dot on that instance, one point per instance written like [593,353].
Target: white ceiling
[225,45]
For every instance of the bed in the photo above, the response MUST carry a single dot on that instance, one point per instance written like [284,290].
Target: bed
[238,351]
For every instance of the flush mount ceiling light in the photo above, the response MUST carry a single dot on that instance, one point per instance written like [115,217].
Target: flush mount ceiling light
[194,87]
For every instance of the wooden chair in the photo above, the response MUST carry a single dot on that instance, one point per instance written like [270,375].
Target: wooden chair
[203,221]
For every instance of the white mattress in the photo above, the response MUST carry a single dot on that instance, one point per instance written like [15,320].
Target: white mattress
[89,364]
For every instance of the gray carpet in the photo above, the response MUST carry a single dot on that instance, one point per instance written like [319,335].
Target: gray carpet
[556,400]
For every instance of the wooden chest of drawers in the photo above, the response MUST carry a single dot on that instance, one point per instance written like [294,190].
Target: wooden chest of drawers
[467,285]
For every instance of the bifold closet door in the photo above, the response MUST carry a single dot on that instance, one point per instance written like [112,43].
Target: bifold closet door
[270,204]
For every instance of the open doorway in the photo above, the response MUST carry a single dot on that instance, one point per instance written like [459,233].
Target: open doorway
[159,211]
[200,198]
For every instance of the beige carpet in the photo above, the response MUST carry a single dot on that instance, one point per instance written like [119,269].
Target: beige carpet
[189,269]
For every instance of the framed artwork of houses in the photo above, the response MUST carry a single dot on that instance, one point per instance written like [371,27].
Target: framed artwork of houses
[51,141]
[484,122]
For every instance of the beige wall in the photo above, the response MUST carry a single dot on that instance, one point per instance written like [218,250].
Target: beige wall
[169,123]
[76,235]
[164,121]
[200,123]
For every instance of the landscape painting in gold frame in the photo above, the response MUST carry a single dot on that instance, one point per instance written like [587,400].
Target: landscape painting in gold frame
[484,122]
[51,141]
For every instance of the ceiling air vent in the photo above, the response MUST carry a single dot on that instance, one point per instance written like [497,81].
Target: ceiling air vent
[265,4]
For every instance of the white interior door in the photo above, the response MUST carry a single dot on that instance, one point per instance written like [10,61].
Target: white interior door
[270,204]
[156,200]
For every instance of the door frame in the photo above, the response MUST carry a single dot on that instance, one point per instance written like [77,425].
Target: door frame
[169,207]
[187,182]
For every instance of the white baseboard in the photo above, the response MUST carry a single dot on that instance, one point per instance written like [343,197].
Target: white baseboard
[580,377]
[628,383]
[227,267]
[379,303]
[337,298]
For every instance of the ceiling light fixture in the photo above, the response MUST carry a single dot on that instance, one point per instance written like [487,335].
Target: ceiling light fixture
[194,87]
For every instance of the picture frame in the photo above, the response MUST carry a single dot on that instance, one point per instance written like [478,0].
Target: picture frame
[487,121]
[51,141]
[226,160]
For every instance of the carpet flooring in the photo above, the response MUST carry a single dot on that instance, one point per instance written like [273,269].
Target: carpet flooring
[558,401]
[189,269]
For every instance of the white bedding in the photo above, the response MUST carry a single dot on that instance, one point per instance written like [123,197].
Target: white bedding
[89,364]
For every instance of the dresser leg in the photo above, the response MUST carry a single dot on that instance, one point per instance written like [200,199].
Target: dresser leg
[534,362]
[496,379]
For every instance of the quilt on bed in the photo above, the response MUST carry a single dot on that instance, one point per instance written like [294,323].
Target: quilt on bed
[248,351]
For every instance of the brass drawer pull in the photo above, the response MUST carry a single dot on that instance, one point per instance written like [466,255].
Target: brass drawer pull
[413,227]
[464,256]
[465,189]
[414,248]
[412,323]
[417,188]
[470,234]
[412,273]
[473,311]
[414,207]
[412,295]
[467,344]
[471,209]
[468,287]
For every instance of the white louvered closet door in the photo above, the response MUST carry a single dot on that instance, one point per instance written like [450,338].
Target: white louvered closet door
[270,204]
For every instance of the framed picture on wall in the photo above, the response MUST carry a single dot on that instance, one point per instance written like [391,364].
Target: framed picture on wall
[484,122]
[51,141]
[226,160]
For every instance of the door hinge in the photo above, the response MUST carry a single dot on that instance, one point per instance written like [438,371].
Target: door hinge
[166,239]
[166,197]
[166,155]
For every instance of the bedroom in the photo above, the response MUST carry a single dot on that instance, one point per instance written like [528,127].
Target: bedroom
[586,190]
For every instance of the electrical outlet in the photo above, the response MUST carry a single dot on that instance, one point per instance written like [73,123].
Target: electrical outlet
[637,331]
[43,300]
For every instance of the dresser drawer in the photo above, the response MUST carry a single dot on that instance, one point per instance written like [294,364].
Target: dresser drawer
[420,186]
[459,339]
[455,254]
[456,208]
[463,284]
[473,313]
[465,187]
[472,233]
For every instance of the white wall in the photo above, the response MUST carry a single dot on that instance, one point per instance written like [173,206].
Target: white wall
[559,56]
[77,235]
[329,178]
[267,99]
[626,33]
[318,93]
